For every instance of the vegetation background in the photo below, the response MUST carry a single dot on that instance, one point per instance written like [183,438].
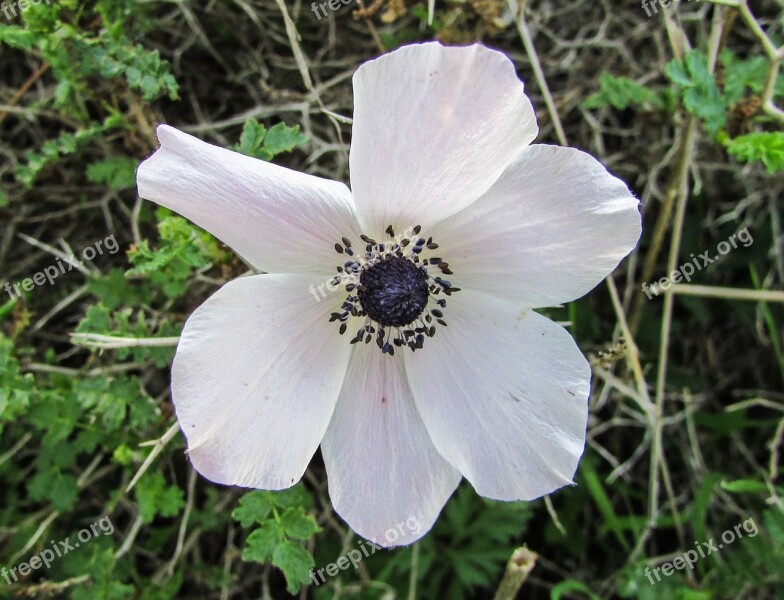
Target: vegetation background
[687,409]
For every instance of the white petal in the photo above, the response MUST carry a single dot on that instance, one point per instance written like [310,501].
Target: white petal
[504,396]
[386,479]
[434,127]
[279,220]
[552,227]
[255,380]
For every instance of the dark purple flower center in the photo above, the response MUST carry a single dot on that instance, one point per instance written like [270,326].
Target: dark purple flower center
[394,291]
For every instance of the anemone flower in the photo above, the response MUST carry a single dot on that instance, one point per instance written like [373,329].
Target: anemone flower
[453,217]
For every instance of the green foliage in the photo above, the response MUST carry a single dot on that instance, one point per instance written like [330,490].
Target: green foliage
[767,147]
[622,93]
[183,249]
[117,172]
[143,70]
[698,90]
[157,498]
[258,142]
[602,500]
[79,56]
[16,389]
[130,323]
[702,97]
[65,144]
[742,76]
[282,519]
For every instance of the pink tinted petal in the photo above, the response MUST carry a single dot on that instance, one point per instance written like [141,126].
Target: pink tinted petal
[255,379]
[279,220]
[386,478]
[553,226]
[434,127]
[503,393]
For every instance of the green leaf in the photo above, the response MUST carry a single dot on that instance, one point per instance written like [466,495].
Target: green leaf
[55,149]
[114,290]
[252,139]
[621,93]
[16,37]
[254,507]
[261,542]
[144,70]
[156,498]
[282,138]
[119,173]
[698,90]
[293,496]
[148,261]
[678,74]
[258,142]
[297,524]
[765,146]
[602,500]
[740,486]
[295,562]
[64,492]
[740,75]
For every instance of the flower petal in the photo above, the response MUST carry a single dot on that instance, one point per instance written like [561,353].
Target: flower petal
[255,380]
[385,477]
[553,226]
[279,220]
[434,127]
[503,394]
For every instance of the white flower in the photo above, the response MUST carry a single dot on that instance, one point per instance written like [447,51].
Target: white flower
[264,374]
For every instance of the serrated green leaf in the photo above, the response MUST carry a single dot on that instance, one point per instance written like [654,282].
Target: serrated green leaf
[677,73]
[297,524]
[621,93]
[293,496]
[765,146]
[252,138]
[155,497]
[698,90]
[119,173]
[253,507]
[295,562]
[740,75]
[258,142]
[282,138]
[261,542]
